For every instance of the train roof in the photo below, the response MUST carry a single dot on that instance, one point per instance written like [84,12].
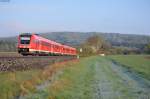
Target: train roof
[25,34]
[46,40]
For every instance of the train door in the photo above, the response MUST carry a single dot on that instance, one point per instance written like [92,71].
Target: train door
[36,45]
[50,47]
[39,46]
[36,48]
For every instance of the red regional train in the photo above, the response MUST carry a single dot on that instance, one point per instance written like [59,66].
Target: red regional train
[33,44]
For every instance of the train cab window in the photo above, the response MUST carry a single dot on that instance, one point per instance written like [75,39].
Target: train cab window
[25,40]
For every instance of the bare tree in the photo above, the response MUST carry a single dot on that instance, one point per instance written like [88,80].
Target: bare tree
[95,42]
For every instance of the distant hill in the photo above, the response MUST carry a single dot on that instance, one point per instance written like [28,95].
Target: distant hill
[76,38]
[116,39]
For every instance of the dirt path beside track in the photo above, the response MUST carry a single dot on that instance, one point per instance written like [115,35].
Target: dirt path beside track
[112,81]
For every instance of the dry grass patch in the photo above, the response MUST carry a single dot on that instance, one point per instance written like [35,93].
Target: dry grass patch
[28,86]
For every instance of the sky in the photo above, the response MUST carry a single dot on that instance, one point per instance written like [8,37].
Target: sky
[119,16]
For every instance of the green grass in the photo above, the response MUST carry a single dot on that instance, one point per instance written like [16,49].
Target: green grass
[10,82]
[137,63]
[78,80]
[75,82]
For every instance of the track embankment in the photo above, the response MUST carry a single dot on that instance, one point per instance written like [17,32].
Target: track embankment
[21,63]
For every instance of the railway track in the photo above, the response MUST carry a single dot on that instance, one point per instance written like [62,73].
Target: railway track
[22,63]
[1,57]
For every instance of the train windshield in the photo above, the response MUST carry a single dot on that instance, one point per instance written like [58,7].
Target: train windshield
[25,40]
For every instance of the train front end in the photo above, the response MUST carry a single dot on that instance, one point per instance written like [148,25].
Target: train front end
[24,43]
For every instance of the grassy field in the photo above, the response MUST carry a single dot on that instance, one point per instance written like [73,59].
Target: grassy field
[93,77]
[75,82]
[10,85]
[20,83]
[137,63]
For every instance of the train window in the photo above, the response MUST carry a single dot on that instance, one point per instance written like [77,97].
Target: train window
[25,40]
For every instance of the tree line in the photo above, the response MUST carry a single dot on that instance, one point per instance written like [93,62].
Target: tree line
[96,44]
[7,46]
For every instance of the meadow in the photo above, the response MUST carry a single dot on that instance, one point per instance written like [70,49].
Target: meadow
[11,82]
[137,63]
[87,78]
